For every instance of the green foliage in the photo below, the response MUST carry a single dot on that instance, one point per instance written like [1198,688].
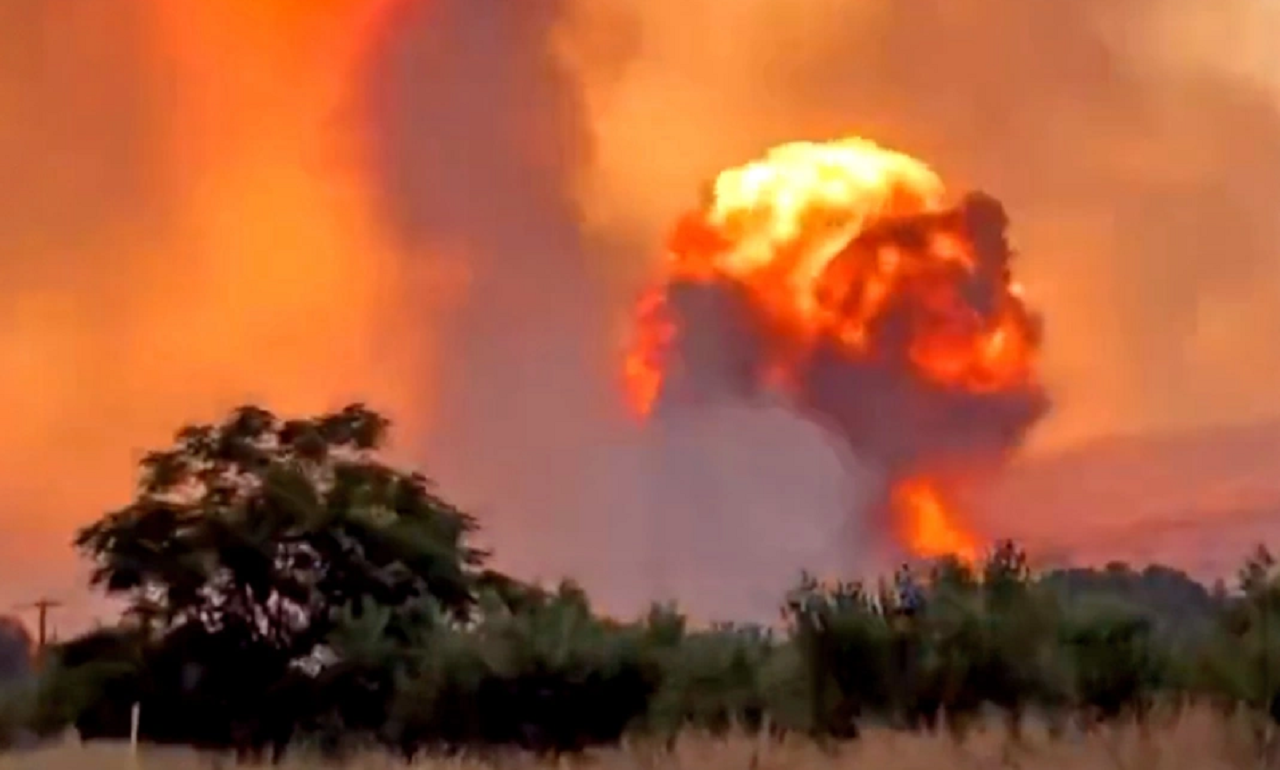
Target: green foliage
[250,545]
[845,641]
[1180,610]
[1242,661]
[1116,666]
[16,651]
[285,586]
[538,669]
[943,645]
[79,678]
[266,527]
[548,676]
[711,680]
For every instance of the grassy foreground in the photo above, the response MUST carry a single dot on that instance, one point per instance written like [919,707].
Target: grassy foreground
[1198,740]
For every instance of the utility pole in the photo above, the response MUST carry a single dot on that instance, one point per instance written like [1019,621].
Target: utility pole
[42,607]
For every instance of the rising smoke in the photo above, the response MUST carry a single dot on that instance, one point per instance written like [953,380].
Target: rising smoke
[1100,125]
[533,432]
[1137,142]
[248,202]
[837,278]
[475,133]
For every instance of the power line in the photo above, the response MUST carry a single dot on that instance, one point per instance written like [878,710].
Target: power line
[42,607]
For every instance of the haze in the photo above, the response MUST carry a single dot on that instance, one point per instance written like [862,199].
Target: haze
[445,208]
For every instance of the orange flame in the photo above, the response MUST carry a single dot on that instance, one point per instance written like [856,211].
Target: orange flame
[928,526]
[814,233]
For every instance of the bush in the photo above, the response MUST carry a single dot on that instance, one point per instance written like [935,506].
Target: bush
[1116,668]
[16,650]
[552,677]
[284,583]
[538,670]
[710,680]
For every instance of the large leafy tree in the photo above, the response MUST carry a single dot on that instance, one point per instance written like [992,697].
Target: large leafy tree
[266,530]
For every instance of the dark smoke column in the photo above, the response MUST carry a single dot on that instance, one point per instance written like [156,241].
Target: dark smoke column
[917,427]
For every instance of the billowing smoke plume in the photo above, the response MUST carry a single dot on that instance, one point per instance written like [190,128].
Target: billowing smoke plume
[474,132]
[1138,143]
[835,275]
[477,133]
[880,403]
[917,428]
[1114,131]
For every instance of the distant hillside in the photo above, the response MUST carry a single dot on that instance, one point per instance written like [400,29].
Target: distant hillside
[1199,500]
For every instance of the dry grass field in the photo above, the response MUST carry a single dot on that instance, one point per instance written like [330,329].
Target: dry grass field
[1198,741]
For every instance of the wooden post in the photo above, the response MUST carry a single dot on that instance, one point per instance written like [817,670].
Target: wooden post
[42,607]
[135,717]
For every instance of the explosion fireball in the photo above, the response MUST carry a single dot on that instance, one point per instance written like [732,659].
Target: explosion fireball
[843,277]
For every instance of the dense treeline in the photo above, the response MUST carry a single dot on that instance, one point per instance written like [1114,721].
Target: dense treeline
[287,587]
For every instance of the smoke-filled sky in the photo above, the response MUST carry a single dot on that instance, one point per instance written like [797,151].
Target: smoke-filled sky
[445,207]
[1137,145]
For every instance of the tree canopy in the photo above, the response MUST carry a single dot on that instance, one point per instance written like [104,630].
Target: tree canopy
[267,528]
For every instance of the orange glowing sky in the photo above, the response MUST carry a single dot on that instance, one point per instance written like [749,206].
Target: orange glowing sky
[192,220]
[250,267]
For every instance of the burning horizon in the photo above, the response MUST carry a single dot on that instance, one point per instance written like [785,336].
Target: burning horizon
[876,304]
